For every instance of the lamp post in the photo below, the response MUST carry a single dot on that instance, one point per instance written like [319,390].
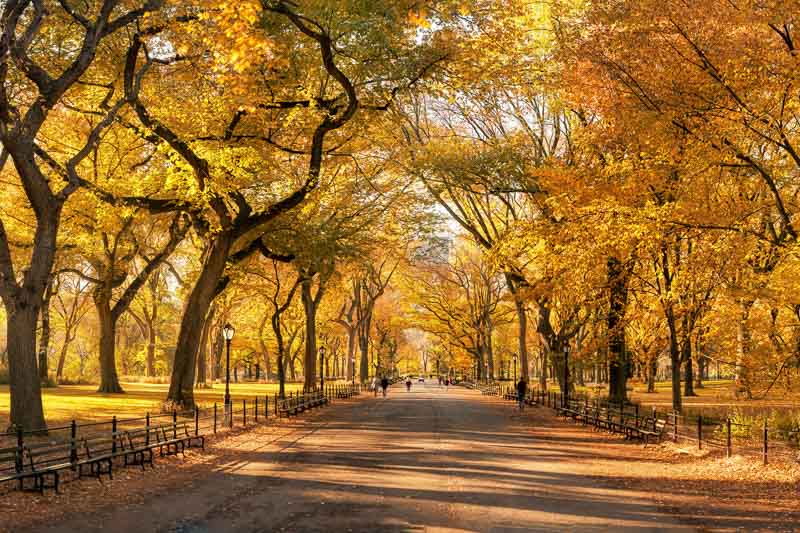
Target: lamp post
[566,375]
[353,366]
[515,368]
[321,367]
[487,371]
[227,332]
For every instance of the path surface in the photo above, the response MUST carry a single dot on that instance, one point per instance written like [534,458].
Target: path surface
[428,460]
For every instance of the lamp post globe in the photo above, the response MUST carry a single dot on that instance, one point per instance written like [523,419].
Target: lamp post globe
[321,367]
[227,332]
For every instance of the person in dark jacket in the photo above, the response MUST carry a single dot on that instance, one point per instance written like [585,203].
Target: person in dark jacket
[522,389]
[384,385]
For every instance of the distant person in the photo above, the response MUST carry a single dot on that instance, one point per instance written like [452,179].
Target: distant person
[447,383]
[408,384]
[374,386]
[384,385]
[522,389]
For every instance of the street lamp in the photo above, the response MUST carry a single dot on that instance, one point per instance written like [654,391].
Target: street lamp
[353,367]
[566,374]
[227,332]
[487,371]
[321,363]
[515,368]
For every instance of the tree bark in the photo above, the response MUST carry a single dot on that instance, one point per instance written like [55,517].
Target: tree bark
[202,356]
[109,380]
[181,389]
[652,368]
[25,387]
[617,356]
[522,330]
[742,384]
[675,361]
[44,340]
[310,309]
[686,355]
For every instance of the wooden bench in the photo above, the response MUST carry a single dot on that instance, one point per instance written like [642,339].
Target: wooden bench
[136,448]
[178,441]
[654,431]
[11,465]
[287,406]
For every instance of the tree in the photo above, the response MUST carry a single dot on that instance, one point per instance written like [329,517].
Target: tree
[35,78]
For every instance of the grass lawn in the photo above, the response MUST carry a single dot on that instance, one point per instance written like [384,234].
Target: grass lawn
[83,403]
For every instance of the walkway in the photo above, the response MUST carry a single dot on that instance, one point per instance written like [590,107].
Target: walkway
[428,460]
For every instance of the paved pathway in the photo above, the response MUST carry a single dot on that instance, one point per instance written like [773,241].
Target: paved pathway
[428,460]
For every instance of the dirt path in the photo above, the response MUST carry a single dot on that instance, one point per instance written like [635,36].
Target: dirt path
[428,460]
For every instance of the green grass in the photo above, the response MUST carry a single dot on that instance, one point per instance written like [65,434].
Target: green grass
[84,403]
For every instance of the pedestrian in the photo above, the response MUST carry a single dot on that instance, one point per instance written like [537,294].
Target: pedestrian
[408,383]
[522,389]
[447,383]
[374,386]
[384,385]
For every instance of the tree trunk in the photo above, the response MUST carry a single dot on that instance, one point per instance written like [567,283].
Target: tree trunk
[651,374]
[216,355]
[62,357]
[202,356]
[688,378]
[363,340]
[522,331]
[310,309]
[351,353]
[44,340]
[617,357]
[546,338]
[742,384]
[109,381]
[701,369]
[675,360]
[181,388]
[25,387]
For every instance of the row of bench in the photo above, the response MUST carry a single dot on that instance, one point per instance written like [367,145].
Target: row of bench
[294,405]
[616,420]
[94,455]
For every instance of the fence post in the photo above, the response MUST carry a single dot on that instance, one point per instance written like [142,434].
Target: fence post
[700,432]
[114,434]
[73,445]
[147,429]
[215,418]
[174,424]
[244,412]
[255,410]
[728,449]
[275,400]
[765,441]
[674,426]
[20,447]
[266,406]
[196,420]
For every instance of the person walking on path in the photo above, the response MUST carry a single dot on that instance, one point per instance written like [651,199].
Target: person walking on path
[408,384]
[522,388]
[384,385]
